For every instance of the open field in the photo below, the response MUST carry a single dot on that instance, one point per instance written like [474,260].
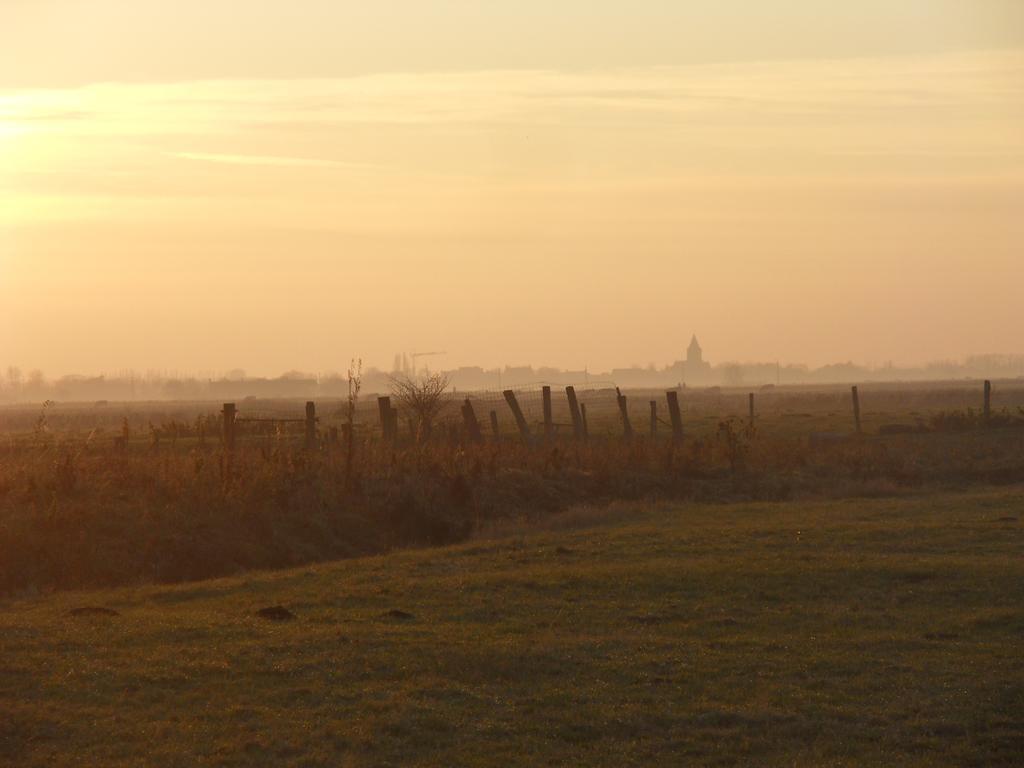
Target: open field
[490,384]
[853,632]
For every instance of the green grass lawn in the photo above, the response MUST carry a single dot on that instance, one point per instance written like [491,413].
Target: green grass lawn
[862,632]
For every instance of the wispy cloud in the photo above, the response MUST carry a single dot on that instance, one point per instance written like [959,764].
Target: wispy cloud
[298,162]
[893,84]
[455,134]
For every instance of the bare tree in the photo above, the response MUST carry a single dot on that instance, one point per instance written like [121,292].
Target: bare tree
[425,397]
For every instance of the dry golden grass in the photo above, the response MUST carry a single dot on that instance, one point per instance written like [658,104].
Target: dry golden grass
[79,510]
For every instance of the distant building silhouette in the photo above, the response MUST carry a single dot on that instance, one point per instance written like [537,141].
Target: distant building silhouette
[694,370]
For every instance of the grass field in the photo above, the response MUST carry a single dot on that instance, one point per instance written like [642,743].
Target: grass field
[860,632]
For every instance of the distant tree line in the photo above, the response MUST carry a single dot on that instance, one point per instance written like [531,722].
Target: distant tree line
[32,386]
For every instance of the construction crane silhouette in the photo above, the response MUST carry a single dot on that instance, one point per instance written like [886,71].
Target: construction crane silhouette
[415,355]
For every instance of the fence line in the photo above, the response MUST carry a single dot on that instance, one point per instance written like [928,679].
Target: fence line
[534,412]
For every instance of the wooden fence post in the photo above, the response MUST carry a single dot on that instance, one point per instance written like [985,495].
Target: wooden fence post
[677,418]
[549,427]
[229,426]
[469,419]
[310,426]
[856,409]
[584,429]
[654,419]
[988,400]
[751,409]
[393,424]
[494,426]
[574,412]
[627,428]
[517,412]
[387,424]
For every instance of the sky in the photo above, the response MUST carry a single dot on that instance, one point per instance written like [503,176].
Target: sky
[205,186]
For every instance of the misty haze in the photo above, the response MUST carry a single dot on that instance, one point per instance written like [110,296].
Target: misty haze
[439,383]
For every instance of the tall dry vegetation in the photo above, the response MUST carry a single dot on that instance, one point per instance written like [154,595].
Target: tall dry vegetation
[355,383]
[75,514]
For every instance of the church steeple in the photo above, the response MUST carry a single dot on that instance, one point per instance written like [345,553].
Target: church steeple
[694,354]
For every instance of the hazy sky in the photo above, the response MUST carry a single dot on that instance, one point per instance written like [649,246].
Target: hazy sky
[194,186]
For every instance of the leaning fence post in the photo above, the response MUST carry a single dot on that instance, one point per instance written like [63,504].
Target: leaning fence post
[584,429]
[751,409]
[988,400]
[310,425]
[549,427]
[517,412]
[654,419]
[574,412]
[229,426]
[469,419]
[677,418]
[494,426]
[627,428]
[856,409]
